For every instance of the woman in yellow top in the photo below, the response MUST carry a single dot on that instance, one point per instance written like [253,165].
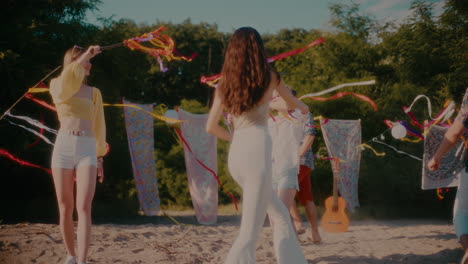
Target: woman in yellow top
[79,147]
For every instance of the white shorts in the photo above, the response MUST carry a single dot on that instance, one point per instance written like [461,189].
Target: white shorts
[286,180]
[72,151]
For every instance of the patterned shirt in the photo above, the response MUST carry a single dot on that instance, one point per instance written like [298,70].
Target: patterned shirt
[308,127]
[463,113]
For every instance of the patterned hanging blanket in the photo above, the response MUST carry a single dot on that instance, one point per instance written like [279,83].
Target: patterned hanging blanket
[139,126]
[202,185]
[341,138]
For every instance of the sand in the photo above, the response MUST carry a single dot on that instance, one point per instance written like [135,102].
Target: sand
[160,240]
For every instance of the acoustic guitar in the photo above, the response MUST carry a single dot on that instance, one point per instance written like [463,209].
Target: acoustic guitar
[335,220]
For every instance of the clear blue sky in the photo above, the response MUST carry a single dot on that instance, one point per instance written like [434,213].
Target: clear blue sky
[267,16]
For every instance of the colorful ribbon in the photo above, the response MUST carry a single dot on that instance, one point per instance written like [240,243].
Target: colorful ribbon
[337,87]
[40,102]
[429,106]
[160,117]
[22,162]
[33,122]
[212,80]
[179,134]
[342,94]
[364,145]
[442,116]
[38,90]
[32,131]
[295,52]
[398,151]
[41,131]
[163,46]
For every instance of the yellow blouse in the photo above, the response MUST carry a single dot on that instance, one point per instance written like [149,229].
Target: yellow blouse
[62,90]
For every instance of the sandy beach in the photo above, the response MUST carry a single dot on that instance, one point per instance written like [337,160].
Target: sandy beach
[162,240]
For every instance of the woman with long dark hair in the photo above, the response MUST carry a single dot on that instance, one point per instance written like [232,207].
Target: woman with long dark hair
[244,91]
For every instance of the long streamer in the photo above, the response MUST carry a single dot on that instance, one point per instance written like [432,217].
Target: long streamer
[32,131]
[342,94]
[41,82]
[40,102]
[38,90]
[364,145]
[41,131]
[22,162]
[212,80]
[429,106]
[160,117]
[179,134]
[338,87]
[398,151]
[295,52]
[442,116]
[33,122]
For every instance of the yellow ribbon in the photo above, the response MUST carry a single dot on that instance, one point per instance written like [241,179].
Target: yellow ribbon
[371,148]
[411,140]
[38,90]
[160,117]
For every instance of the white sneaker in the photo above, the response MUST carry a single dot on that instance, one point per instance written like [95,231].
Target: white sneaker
[70,260]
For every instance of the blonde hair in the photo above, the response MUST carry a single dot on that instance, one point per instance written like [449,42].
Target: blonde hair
[72,54]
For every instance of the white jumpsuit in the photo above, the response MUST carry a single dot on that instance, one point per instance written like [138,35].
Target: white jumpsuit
[250,165]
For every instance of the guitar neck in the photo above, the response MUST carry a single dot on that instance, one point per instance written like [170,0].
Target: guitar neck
[336,173]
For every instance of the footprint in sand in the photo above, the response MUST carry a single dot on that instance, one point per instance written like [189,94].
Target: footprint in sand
[215,247]
[168,233]
[121,238]
[212,231]
[136,251]
[199,248]
[148,235]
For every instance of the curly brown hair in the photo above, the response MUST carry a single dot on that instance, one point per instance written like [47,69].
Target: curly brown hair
[246,72]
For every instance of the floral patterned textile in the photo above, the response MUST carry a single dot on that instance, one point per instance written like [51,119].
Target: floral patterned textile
[140,129]
[342,138]
[202,185]
[451,165]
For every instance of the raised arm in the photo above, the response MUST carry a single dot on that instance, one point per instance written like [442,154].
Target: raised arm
[452,135]
[290,99]
[72,76]
[450,139]
[212,124]
[277,103]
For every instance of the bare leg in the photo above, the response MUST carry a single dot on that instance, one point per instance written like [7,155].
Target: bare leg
[311,211]
[287,197]
[464,244]
[63,181]
[86,185]
[296,218]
